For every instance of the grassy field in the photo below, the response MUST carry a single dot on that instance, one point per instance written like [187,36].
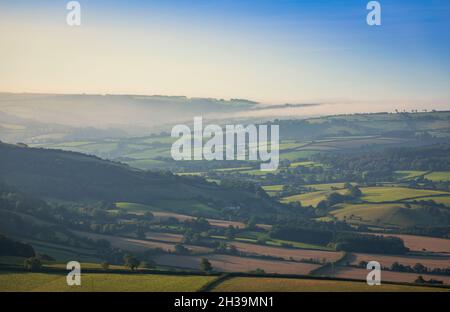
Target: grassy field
[384,214]
[190,207]
[312,198]
[438,176]
[408,174]
[381,194]
[265,284]
[102,282]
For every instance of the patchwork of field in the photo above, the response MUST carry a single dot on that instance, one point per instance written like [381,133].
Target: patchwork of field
[408,174]
[287,253]
[138,245]
[389,276]
[162,215]
[226,263]
[275,284]
[46,282]
[432,262]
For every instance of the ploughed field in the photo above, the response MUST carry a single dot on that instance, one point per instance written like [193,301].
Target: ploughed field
[226,263]
[387,260]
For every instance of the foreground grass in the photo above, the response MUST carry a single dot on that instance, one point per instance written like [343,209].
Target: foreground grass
[267,284]
[102,282]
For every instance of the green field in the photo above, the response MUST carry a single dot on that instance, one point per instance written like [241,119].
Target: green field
[439,199]
[408,174]
[273,190]
[383,194]
[384,214]
[102,282]
[312,198]
[438,176]
[267,284]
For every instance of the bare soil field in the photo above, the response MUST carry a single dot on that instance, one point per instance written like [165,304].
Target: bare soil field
[355,273]
[227,263]
[286,253]
[180,217]
[422,243]
[138,245]
[387,261]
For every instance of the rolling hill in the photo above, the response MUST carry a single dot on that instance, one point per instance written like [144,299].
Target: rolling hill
[70,176]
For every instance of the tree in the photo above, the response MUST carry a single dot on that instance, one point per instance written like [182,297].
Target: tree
[149,264]
[230,232]
[180,249]
[420,280]
[205,265]
[32,264]
[105,265]
[419,268]
[140,233]
[148,215]
[131,262]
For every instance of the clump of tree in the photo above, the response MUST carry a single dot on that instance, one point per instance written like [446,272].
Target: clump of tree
[370,244]
[131,262]
[421,280]
[302,234]
[10,247]
[206,266]
[105,265]
[32,264]
[181,249]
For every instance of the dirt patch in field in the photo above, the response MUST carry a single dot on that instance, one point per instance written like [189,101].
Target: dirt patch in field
[387,261]
[286,253]
[226,263]
[361,274]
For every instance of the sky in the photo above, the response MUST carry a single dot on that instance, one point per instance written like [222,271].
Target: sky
[311,51]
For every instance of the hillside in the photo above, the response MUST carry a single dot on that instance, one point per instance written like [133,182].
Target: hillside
[69,176]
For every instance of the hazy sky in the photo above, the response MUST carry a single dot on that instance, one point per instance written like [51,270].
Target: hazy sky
[270,51]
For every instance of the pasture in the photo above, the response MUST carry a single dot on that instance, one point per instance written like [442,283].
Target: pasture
[390,215]
[275,284]
[47,282]
[389,194]
[226,263]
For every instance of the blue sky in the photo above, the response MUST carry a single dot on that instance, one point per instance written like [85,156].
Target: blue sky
[271,51]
